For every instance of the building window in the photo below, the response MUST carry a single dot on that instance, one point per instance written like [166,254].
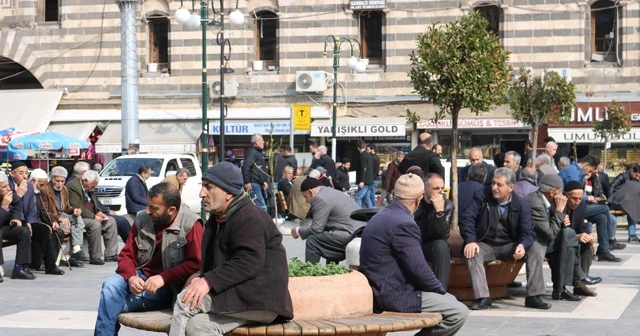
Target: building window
[267,38]
[604,31]
[49,10]
[371,38]
[493,16]
[159,42]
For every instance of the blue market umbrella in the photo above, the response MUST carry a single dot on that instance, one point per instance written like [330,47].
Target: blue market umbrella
[10,155]
[48,141]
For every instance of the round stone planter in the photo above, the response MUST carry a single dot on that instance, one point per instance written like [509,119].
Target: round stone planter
[333,296]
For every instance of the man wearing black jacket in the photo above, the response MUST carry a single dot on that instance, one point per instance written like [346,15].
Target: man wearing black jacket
[364,176]
[254,171]
[341,182]
[285,159]
[433,216]
[375,164]
[326,162]
[423,157]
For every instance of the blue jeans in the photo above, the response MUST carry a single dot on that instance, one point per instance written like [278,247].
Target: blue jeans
[632,226]
[605,224]
[372,193]
[115,298]
[363,194]
[257,197]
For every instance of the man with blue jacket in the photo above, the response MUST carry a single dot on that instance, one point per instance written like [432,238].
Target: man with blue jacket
[391,258]
[497,225]
[136,191]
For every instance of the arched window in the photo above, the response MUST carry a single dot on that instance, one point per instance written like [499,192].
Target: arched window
[604,31]
[493,14]
[267,38]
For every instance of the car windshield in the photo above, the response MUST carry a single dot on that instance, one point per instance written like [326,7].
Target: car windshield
[130,166]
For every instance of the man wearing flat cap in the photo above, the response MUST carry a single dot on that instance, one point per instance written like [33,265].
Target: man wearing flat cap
[244,276]
[331,225]
[391,258]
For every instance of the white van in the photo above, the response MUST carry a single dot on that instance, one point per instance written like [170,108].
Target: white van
[114,177]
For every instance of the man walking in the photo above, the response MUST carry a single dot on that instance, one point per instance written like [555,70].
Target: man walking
[364,176]
[254,172]
[375,165]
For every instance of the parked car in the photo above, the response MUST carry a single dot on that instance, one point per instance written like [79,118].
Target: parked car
[114,177]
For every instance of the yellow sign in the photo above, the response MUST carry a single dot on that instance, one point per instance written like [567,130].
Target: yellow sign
[301,117]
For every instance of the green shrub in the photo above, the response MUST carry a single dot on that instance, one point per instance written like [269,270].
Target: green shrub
[297,268]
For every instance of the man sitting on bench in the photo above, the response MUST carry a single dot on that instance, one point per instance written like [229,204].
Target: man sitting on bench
[163,250]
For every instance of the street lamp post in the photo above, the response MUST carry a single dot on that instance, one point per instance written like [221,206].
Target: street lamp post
[355,64]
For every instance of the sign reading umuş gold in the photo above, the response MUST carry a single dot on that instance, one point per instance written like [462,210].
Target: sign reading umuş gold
[367,4]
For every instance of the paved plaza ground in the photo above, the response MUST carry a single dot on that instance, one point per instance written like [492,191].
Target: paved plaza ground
[66,305]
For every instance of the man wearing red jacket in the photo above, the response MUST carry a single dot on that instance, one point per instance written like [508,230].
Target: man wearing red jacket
[164,248]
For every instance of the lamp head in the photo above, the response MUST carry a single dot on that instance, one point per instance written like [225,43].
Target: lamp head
[360,67]
[182,15]
[236,18]
[226,68]
[194,21]
[351,62]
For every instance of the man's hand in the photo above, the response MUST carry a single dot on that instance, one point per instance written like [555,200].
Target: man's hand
[591,199]
[584,237]
[136,284]
[196,292]
[22,188]
[101,216]
[265,185]
[65,222]
[560,202]
[77,212]
[97,218]
[566,221]
[153,284]
[192,278]
[361,185]
[294,233]
[471,249]
[594,238]
[55,226]
[438,202]
[247,187]
[7,199]
[519,253]
[111,212]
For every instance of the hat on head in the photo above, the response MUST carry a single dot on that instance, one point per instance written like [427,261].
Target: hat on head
[550,181]
[38,174]
[226,176]
[573,185]
[321,170]
[416,170]
[409,186]
[17,165]
[310,183]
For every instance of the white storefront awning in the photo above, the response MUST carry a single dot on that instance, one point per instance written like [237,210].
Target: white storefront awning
[586,135]
[28,110]
[155,137]
[79,130]
[361,127]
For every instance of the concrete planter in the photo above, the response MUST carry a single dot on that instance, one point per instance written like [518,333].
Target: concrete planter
[329,297]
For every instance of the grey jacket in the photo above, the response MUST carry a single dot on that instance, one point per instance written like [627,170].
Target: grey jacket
[547,224]
[331,210]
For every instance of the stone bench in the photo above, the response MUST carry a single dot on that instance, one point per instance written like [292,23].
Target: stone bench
[369,325]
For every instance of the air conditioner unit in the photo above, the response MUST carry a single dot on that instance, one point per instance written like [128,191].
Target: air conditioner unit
[310,81]
[230,88]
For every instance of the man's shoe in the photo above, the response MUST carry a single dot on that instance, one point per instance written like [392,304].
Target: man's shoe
[55,271]
[634,239]
[515,284]
[96,262]
[584,291]
[111,258]
[565,295]
[589,280]
[536,303]
[80,256]
[1,280]
[75,263]
[23,274]
[481,304]
[615,245]
[607,256]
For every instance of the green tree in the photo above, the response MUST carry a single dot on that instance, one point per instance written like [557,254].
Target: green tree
[615,124]
[537,101]
[460,65]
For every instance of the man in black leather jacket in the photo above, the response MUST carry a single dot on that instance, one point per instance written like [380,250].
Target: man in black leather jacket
[633,170]
[254,171]
[433,216]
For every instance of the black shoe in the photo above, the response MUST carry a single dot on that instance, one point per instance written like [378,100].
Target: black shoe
[565,295]
[96,262]
[614,245]
[515,284]
[583,291]
[80,256]
[589,280]
[481,304]
[111,258]
[75,263]
[55,271]
[39,268]
[1,280]
[633,239]
[607,256]
[23,274]
[536,303]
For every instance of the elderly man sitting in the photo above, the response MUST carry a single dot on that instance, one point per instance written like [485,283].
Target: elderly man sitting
[331,225]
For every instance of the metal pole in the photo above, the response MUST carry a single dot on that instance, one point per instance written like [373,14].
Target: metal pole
[204,143]
[336,59]
[291,131]
[222,110]
[130,137]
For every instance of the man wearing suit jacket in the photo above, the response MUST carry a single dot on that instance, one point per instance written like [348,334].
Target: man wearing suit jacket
[497,225]
[136,191]
[477,176]
[82,196]
[13,226]
[391,258]
[331,225]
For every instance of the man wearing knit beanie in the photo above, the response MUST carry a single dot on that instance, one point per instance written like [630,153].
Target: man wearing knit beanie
[391,251]
[331,225]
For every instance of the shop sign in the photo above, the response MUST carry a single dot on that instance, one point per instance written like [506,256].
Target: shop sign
[301,117]
[280,127]
[359,130]
[472,123]
[367,4]
[586,135]
[585,114]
